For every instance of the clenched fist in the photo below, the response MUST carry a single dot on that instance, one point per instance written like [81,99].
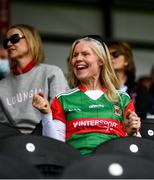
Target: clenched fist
[132,123]
[41,103]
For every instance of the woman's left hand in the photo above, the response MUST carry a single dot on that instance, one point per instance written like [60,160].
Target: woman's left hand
[132,123]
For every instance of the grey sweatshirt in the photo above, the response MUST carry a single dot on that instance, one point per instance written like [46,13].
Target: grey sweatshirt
[16,93]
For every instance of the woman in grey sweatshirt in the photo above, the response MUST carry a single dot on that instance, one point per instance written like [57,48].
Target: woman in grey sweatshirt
[28,76]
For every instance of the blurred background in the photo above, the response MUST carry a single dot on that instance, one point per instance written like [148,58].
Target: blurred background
[60,22]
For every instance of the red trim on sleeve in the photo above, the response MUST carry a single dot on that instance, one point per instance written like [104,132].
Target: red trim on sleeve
[130,106]
[57,110]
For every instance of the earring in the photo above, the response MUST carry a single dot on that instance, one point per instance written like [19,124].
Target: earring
[126,63]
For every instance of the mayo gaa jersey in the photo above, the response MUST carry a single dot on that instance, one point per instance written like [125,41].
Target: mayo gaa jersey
[90,122]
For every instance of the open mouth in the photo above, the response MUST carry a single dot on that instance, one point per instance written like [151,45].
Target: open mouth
[80,67]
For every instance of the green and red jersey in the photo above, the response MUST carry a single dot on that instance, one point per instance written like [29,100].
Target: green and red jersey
[90,122]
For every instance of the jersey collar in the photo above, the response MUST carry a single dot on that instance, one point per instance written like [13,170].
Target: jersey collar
[27,68]
[84,89]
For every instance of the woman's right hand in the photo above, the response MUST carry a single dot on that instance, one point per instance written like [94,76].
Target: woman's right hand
[41,103]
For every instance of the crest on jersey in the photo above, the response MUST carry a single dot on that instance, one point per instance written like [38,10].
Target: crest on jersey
[117,110]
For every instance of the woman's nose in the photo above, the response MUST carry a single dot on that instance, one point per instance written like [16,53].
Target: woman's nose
[79,57]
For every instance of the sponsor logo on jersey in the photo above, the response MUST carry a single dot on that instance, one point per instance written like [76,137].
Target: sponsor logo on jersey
[108,124]
[74,110]
[96,106]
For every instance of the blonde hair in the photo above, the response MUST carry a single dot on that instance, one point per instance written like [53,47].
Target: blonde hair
[107,77]
[33,39]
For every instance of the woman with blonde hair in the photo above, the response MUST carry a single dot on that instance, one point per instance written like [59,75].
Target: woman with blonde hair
[94,111]
[28,76]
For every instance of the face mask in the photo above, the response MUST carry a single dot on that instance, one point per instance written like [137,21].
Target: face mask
[4,68]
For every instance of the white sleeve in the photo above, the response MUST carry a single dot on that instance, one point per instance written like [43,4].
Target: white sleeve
[53,128]
[138,134]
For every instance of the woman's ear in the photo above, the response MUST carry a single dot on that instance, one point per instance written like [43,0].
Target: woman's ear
[100,62]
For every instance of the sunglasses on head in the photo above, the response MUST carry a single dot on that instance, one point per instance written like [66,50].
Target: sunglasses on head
[96,37]
[116,54]
[15,38]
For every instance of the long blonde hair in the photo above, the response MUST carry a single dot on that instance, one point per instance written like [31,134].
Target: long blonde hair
[107,77]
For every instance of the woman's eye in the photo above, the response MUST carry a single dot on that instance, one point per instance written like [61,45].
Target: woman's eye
[85,54]
[74,55]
